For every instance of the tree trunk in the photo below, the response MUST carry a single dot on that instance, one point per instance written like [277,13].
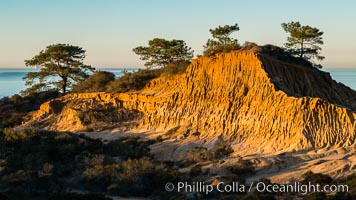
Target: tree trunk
[302,49]
[64,86]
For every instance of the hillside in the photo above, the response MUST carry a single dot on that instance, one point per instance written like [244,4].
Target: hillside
[283,117]
[238,96]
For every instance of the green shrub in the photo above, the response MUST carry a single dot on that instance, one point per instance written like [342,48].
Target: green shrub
[14,120]
[97,82]
[175,68]
[75,196]
[195,171]
[316,196]
[202,154]
[14,109]
[350,181]
[223,150]
[145,175]
[133,81]
[221,49]
[20,194]
[37,162]
[242,168]
[172,130]
[21,134]
[131,169]
[342,196]
[101,175]
[138,177]
[159,138]
[137,80]
[196,155]
[128,148]
[316,178]
[250,197]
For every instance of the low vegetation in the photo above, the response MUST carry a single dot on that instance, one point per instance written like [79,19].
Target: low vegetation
[42,163]
[317,178]
[201,154]
[242,168]
[13,109]
[133,81]
[97,82]
[136,80]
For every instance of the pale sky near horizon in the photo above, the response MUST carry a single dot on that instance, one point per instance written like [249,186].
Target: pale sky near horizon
[109,29]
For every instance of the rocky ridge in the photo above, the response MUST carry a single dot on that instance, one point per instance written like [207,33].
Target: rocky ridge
[247,99]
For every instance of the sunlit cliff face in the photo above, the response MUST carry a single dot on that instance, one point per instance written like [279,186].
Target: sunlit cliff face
[253,101]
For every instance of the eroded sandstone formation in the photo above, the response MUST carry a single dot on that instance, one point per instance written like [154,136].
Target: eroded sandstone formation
[248,99]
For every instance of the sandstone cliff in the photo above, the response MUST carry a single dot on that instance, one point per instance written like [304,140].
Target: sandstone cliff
[248,99]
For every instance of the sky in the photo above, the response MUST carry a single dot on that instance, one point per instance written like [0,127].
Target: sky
[109,29]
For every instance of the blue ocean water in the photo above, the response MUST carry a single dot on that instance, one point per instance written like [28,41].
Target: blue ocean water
[347,76]
[11,78]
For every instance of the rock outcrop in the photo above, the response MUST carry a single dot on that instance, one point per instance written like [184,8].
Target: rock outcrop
[248,99]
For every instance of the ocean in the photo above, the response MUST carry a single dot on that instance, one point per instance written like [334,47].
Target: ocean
[11,78]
